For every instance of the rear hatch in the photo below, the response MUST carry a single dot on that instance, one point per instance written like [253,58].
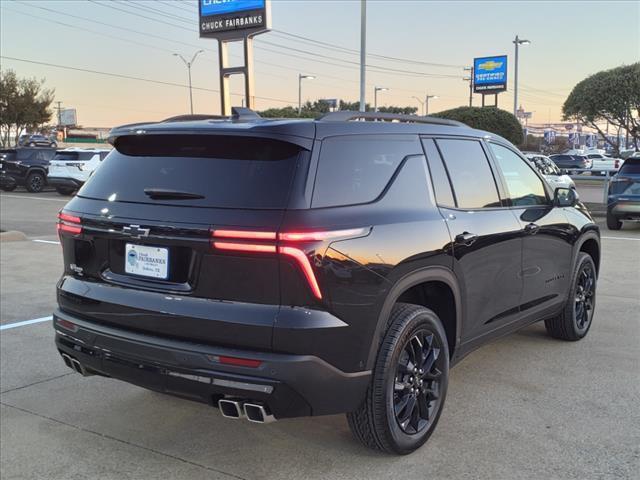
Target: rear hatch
[76,165]
[145,257]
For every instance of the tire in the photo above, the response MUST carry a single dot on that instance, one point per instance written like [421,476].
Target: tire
[575,320]
[8,188]
[35,182]
[612,222]
[375,423]
[65,191]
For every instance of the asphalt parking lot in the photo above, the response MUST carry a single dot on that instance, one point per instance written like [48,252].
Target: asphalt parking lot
[524,407]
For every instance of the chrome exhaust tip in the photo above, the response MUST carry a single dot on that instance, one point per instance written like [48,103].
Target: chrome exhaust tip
[67,360]
[258,413]
[231,408]
[74,364]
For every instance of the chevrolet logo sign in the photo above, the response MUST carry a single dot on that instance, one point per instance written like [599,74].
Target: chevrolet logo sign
[135,231]
[490,65]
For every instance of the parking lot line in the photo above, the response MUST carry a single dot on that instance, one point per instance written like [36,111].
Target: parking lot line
[53,242]
[621,238]
[37,198]
[25,322]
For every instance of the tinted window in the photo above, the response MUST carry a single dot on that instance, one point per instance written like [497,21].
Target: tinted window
[468,167]
[356,169]
[631,166]
[228,171]
[439,177]
[103,155]
[66,156]
[525,188]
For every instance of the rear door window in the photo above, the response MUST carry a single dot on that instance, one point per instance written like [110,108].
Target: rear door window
[226,171]
[439,176]
[473,183]
[356,169]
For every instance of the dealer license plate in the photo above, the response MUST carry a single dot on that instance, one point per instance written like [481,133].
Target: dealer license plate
[146,261]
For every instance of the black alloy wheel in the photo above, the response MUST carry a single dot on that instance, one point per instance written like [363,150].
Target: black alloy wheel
[584,297]
[35,182]
[417,383]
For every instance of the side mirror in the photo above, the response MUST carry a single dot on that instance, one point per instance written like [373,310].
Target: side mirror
[565,197]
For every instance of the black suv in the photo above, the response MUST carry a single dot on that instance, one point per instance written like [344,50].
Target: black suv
[283,268]
[25,167]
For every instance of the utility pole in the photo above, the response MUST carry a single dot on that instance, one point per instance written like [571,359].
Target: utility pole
[421,104]
[188,64]
[363,53]
[59,109]
[517,42]
[470,80]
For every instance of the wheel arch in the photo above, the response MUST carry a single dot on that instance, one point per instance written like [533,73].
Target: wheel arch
[406,288]
[589,243]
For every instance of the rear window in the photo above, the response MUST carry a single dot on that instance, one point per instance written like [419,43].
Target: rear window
[631,166]
[356,169]
[226,171]
[66,156]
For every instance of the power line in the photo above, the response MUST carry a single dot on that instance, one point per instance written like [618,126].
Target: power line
[140,79]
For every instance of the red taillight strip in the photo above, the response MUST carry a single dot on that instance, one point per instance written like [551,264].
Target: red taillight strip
[303,261]
[69,223]
[321,235]
[245,247]
[244,234]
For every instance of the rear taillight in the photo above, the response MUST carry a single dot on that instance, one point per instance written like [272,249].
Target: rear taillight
[246,241]
[69,224]
[616,164]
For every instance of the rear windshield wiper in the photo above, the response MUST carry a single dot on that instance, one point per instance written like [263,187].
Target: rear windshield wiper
[167,194]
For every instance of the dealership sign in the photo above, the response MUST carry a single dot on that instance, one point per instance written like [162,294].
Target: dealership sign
[490,74]
[220,18]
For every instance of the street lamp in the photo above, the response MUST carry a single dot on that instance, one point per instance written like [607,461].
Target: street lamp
[188,64]
[426,102]
[375,96]
[300,78]
[420,102]
[517,42]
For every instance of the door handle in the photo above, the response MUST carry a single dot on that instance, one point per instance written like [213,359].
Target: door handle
[531,228]
[466,238]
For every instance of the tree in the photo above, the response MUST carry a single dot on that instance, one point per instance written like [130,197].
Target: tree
[491,119]
[24,104]
[609,96]
[319,108]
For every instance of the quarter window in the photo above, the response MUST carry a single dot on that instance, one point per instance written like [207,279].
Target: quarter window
[356,169]
[439,177]
[525,187]
[470,174]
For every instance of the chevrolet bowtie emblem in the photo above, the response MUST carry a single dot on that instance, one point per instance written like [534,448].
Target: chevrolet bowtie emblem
[135,231]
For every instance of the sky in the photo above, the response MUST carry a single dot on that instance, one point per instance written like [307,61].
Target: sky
[434,40]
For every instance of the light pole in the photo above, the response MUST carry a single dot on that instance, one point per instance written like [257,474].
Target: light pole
[517,42]
[426,102]
[363,53]
[470,80]
[300,78]
[420,102]
[375,96]
[188,64]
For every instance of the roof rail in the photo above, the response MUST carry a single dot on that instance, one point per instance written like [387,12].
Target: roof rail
[192,117]
[346,115]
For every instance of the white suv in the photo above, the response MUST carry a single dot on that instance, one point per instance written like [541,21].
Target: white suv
[71,167]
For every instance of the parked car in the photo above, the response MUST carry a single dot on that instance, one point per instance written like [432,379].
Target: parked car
[71,167]
[285,268]
[624,194]
[571,163]
[36,140]
[601,164]
[24,167]
[550,171]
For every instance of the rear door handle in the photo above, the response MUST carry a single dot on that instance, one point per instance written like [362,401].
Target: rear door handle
[531,228]
[466,238]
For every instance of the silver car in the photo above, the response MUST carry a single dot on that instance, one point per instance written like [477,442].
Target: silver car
[550,171]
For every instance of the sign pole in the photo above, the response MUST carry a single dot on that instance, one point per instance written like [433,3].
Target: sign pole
[248,73]
[363,54]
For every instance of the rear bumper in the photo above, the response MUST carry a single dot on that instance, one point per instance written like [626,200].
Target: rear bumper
[625,209]
[63,182]
[291,385]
